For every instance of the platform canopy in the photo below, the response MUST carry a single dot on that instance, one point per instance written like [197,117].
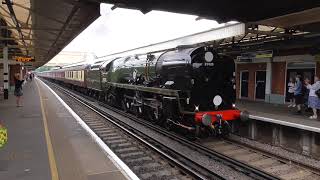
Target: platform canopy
[42,28]
[221,10]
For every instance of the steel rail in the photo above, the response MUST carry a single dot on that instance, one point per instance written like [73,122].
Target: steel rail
[173,159]
[313,169]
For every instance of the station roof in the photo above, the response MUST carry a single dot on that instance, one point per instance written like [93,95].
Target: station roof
[222,10]
[43,28]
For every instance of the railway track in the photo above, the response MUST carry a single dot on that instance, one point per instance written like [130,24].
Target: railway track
[146,157]
[255,164]
[267,162]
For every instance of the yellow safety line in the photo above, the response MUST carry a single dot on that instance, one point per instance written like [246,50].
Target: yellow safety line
[52,161]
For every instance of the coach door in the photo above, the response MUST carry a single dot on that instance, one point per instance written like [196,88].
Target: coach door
[260,85]
[244,84]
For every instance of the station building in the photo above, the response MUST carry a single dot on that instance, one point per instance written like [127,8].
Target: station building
[264,76]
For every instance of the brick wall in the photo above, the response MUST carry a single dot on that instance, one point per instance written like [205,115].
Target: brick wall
[318,69]
[278,78]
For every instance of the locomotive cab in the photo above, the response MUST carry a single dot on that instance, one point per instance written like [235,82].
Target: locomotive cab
[174,71]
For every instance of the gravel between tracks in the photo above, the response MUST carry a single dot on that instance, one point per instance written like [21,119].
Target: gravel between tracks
[218,167]
[278,151]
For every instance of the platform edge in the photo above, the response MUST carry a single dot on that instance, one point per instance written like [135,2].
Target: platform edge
[110,154]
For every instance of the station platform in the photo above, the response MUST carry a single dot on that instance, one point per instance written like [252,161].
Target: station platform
[46,142]
[279,114]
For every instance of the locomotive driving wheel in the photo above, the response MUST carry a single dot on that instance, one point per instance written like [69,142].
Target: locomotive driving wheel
[110,99]
[168,125]
[126,106]
[152,114]
[138,111]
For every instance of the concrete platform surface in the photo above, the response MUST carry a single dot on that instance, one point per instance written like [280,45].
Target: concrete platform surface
[279,114]
[65,151]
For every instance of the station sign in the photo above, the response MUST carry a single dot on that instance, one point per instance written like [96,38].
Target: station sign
[244,59]
[250,56]
[24,59]
[264,54]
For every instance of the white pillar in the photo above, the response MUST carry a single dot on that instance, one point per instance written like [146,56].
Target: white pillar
[5,73]
[21,69]
[268,81]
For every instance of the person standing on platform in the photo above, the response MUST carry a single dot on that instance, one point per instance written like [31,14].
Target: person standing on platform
[298,96]
[18,81]
[291,85]
[305,93]
[30,76]
[314,101]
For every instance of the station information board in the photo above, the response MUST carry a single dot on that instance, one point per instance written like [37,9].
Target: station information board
[24,59]
[250,56]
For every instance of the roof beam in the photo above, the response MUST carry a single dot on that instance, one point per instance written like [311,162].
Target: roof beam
[36,12]
[25,39]
[9,16]
[31,28]
[269,33]
[22,47]
[15,20]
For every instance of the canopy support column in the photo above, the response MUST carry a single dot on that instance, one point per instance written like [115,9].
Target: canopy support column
[5,73]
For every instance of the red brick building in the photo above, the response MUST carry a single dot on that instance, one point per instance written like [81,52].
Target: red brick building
[266,79]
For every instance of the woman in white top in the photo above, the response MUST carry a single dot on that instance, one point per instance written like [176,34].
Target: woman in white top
[291,85]
[314,101]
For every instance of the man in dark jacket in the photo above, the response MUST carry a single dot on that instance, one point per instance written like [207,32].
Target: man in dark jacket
[298,95]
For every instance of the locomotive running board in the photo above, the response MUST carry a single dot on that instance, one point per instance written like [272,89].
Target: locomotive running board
[167,92]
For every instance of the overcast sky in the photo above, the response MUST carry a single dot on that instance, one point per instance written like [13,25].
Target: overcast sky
[123,29]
